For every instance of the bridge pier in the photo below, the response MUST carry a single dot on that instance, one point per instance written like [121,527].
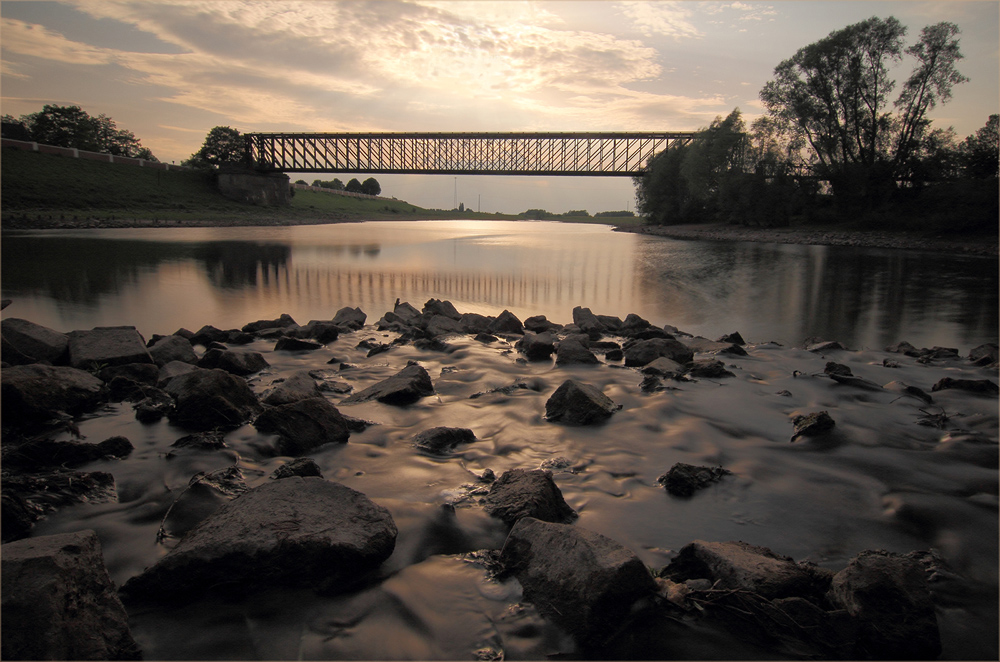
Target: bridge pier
[259,188]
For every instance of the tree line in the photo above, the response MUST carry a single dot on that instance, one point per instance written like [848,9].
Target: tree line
[829,145]
[71,126]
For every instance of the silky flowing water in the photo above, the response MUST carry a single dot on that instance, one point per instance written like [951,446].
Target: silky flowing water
[879,481]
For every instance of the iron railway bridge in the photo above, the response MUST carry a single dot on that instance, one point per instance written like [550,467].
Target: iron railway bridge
[578,154]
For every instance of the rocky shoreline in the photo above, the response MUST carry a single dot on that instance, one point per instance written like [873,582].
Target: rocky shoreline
[298,529]
[819,237]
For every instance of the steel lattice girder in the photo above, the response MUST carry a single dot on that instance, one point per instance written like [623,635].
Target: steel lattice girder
[594,154]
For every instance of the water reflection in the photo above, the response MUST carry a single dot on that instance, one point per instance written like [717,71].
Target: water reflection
[162,279]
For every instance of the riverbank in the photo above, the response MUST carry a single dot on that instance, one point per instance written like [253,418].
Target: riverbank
[821,236]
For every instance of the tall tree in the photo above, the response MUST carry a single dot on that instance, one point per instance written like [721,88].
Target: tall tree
[371,186]
[981,151]
[223,144]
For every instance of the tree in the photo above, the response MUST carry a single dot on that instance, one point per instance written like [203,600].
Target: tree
[371,186]
[223,144]
[71,126]
[980,153]
[15,129]
[354,186]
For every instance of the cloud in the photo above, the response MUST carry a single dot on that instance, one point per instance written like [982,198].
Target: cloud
[662,18]
[34,40]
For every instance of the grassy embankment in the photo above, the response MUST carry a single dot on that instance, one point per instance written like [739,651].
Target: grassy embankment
[42,190]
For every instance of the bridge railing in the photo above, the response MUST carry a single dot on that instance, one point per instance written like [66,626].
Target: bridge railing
[594,154]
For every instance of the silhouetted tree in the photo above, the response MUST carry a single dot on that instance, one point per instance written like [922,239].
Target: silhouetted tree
[354,186]
[371,186]
[71,126]
[981,152]
[223,144]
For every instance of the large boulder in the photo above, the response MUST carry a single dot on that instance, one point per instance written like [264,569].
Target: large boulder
[284,321]
[441,325]
[107,345]
[288,344]
[172,348]
[235,361]
[521,493]
[576,403]
[475,323]
[981,386]
[299,386]
[290,532]
[350,318]
[52,453]
[207,335]
[888,596]
[740,565]
[589,323]
[438,307]
[303,425]
[537,347]
[645,351]
[984,355]
[441,440]
[506,322]
[323,332]
[404,388]
[34,393]
[207,399]
[540,324]
[571,351]
[579,579]
[36,341]
[59,602]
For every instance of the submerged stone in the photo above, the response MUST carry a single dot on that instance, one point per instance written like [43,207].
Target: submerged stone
[521,493]
[577,403]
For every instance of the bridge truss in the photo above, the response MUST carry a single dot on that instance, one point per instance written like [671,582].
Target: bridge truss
[578,154]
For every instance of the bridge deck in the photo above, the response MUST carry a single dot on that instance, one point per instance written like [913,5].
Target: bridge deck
[594,154]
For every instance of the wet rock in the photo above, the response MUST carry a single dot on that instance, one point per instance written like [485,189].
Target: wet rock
[407,313]
[432,345]
[442,440]
[633,324]
[735,338]
[284,321]
[858,382]
[441,325]
[294,345]
[173,348]
[812,425]
[486,338]
[984,355]
[213,440]
[579,579]
[38,342]
[611,322]
[207,335]
[154,406]
[47,491]
[290,532]
[107,345]
[684,480]
[234,361]
[237,337]
[404,388]
[521,493]
[303,425]
[709,369]
[614,355]
[903,347]
[939,353]
[59,602]
[475,323]
[589,323]
[50,453]
[171,370]
[740,565]
[12,355]
[207,399]
[887,594]
[651,384]
[733,350]
[642,352]
[537,347]
[350,318]
[823,346]
[539,324]
[299,386]
[445,308]
[834,368]
[146,374]
[206,493]
[577,403]
[301,466]
[663,367]
[320,331]
[980,386]
[651,333]
[912,391]
[506,322]
[34,393]
[16,516]
[572,352]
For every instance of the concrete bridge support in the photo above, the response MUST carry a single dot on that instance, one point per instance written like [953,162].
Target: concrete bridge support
[259,188]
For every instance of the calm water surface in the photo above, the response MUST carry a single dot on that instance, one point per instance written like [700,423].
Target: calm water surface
[163,279]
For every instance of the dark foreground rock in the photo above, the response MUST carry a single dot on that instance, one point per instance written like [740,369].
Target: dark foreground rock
[521,493]
[290,532]
[35,341]
[404,388]
[235,361]
[60,604]
[51,453]
[581,580]
[172,348]
[684,480]
[34,393]
[441,440]
[576,403]
[298,386]
[642,352]
[302,466]
[207,399]
[980,386]
[814,424]
[107,345]
[304,425]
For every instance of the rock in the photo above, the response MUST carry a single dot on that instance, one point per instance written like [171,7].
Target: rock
[739,565]
[205,494]
[172,348]
[171,370]
[486,338]
[571,351]
[537,347]
[709,369]
[858,382]
[404,388]
[475,323]
[589,323]
[650,333]
[576,403]
[294,345]
[207,399]
[539,324]
[441,325]
[521,493]
[302,466]
[684,480]
[442,440]
[432,345]
[290,532]
[663,367]
[735,338]
[903,347]
[237,337]
[283,321]
[733,350]
[438,307]
[824,346]
[407,313]
[303,425]
[912,391]
[59,602]
[350,318]
[834,368]
[154,406]
[141,373]
[812,425]
[16,517]
[612,323]
[981,386]
[614,355]
[642,352]
[582,581]
[506,322]
[983,355]
[34,393]
[206,335]
[213,440]
[12,355]
[940,353]
[887,594]
[299,386]
[48,491]
[36,341]
[633,324]
[234,361]
[320,331]
[50,453]
[107,345]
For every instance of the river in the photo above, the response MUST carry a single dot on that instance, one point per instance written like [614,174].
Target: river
[880,481]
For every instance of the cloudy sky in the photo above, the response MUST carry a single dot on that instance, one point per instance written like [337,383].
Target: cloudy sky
[170,71]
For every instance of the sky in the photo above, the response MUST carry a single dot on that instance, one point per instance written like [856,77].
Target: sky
[170,71]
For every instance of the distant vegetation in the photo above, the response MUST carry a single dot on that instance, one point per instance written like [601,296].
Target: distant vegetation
[71,126]
[829,148]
